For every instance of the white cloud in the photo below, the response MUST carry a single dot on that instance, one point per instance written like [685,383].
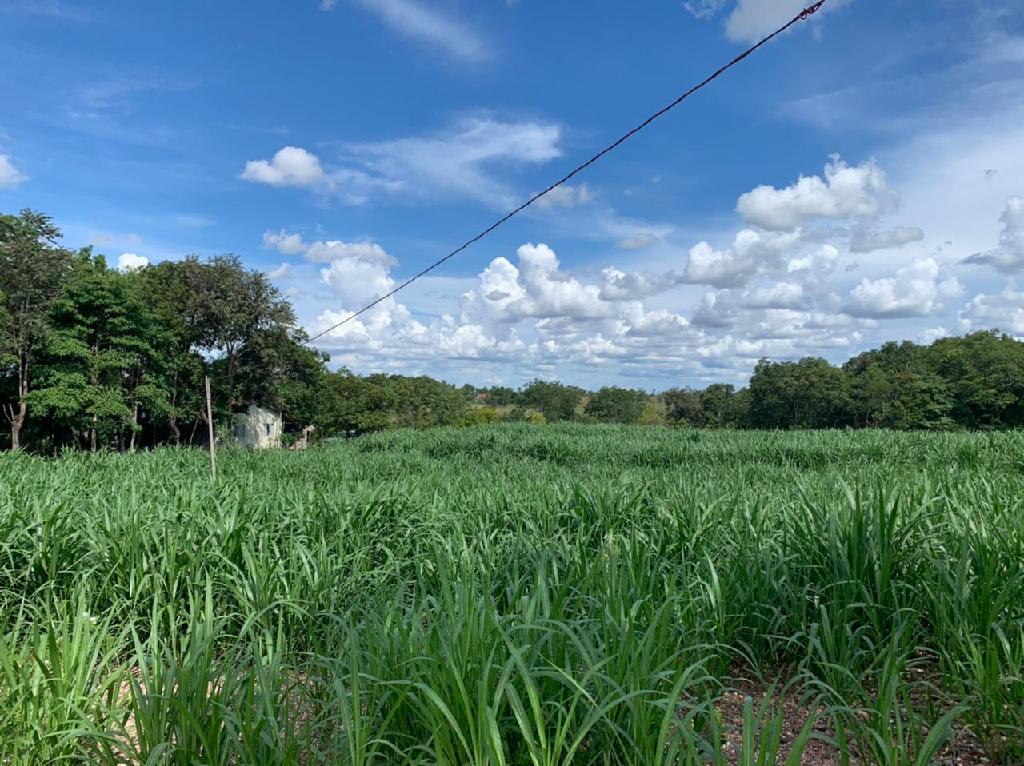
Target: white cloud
[460,160]
[357,281]
[284,242]
[457,160]
[335,250]
[637,241]
[290,166]
[815,266]
[621,286]
[329,251]
[753,19]
[933,334]
[1003,311]
[915,291]
[1008,257]
[845,192]
[280,272]
[131,262]
[751,253]
[704,9]
[566,196]
[867,240]
[537,289]
[418,21]
[536,316]
[9,175]
[779,295]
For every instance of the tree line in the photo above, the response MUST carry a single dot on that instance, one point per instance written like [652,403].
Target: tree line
[972,382]
[92,357]
[95,358]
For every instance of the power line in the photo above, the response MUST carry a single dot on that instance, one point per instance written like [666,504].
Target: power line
[803,15]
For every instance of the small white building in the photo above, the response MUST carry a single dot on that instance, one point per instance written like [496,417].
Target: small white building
[258,428]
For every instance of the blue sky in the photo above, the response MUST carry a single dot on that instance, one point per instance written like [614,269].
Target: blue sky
[858,180]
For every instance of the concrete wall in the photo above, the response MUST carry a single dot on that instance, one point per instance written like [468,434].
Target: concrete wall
[258,428]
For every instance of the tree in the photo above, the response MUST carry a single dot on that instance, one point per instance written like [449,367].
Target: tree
[230,307]
[918,401]
[871,393]
[683,406]
[348,402]
[985,374]
[33,270]
[553,400]
[810,393]
[167,288]
[719,405]
[500,396]
[104,360]
[616,405]
[276,369]
[651,414]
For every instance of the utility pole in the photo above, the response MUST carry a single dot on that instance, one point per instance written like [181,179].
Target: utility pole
[209,423]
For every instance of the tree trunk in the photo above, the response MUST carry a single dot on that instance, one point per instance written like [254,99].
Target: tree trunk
[135,426]
[195,426]
[17,416]
[172,419]
[17,419]
[92,434]
[231,378]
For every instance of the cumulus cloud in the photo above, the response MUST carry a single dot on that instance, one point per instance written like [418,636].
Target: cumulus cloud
[864,239]
[329,251]
[778,288]
[816,265]
[357,281]
[779,295]
[334,250]
[619,285]
[284,242]
[933,334]
[537,289]
[1003,311]
[9,175]
[845,192]
[131,262]
[290,166]
[530,312]
[1008,257]
[915,291]
[751,253]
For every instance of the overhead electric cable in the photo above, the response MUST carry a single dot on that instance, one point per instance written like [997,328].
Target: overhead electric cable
[803,15]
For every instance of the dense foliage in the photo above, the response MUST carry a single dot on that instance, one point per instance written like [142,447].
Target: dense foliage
[516,595]
[91,357]
[973,382]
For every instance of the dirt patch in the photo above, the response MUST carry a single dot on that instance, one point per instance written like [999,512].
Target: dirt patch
[795,714]
[963,749]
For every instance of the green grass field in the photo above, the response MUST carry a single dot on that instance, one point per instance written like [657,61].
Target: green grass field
[519,595]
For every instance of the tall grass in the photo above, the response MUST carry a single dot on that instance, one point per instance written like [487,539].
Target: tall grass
[514,595]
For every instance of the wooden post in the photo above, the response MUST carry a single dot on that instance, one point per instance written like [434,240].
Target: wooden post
[209,423]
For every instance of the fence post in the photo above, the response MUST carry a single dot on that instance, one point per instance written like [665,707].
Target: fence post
[209,423]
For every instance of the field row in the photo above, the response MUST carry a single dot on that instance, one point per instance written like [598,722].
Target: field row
[514,595]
